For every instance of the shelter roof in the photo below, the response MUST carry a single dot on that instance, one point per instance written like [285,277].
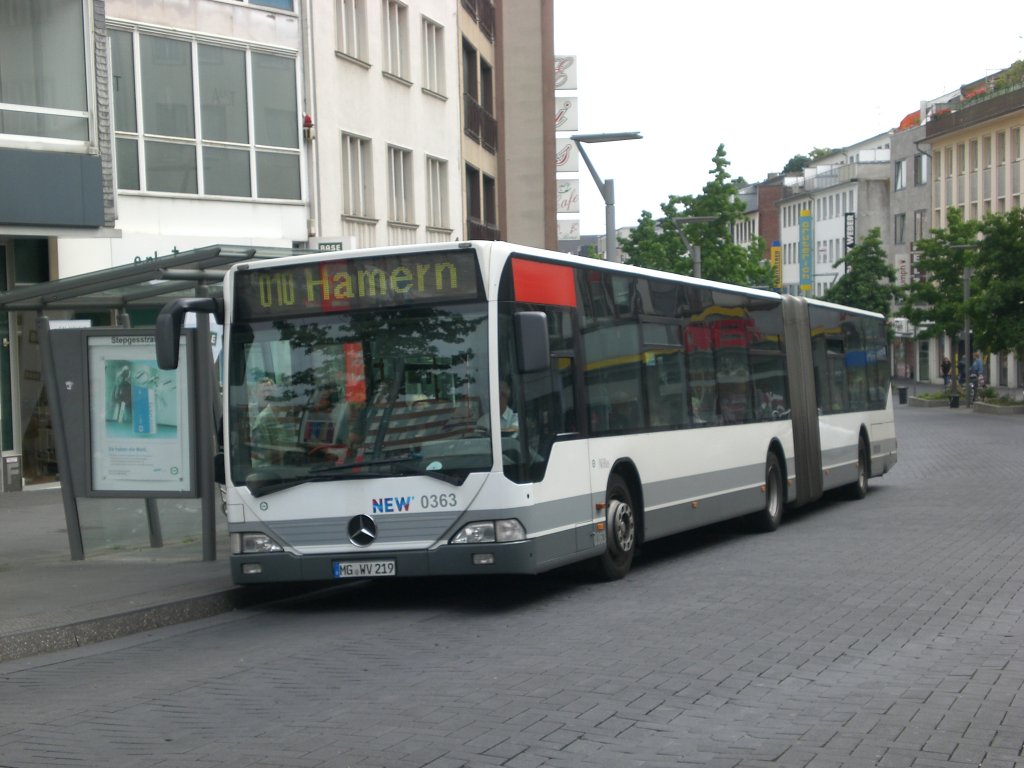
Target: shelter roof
[147,284]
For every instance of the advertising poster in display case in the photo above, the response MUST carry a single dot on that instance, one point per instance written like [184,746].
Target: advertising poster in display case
[140,419]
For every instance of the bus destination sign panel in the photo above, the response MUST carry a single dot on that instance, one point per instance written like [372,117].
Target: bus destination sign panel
[347,284]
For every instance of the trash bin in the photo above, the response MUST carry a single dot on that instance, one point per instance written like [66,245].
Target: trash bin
[902,391]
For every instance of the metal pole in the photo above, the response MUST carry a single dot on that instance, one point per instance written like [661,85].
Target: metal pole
[611,250]
[680,223]
[156,535]
[204,430]
[67,486]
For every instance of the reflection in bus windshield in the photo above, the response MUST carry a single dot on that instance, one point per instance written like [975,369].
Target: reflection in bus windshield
[348,389]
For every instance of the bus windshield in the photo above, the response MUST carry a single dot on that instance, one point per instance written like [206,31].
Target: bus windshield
[381,392]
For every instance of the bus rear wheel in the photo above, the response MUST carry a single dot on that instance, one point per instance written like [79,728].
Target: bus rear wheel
[859,489]
[768,519]
[621,527]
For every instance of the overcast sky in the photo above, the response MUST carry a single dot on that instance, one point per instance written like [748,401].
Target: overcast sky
[767,80]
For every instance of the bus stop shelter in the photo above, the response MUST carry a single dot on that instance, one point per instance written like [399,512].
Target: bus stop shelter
[143,287]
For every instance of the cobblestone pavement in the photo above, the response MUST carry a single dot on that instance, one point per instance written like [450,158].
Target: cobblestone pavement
[881,632]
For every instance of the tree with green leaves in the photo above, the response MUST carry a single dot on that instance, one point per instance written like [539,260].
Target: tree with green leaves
[869,281]
[799,163]
[996,305]
[934,300]
[666,244]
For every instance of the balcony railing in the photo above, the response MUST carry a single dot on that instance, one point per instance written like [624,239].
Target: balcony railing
[479,230]
[489,132]
[841,174]
[485,18]
[977,110]
[472,115]
[482,12]
[479,125]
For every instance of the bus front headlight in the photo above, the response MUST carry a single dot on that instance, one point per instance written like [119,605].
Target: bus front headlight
[253,544]
[490,531]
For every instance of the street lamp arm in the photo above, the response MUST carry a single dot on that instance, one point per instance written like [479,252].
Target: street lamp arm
[606,188]
[593,171]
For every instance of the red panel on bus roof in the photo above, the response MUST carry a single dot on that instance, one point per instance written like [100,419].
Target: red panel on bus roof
[537,282]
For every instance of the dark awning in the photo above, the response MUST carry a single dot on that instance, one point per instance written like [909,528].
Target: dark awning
[145,284]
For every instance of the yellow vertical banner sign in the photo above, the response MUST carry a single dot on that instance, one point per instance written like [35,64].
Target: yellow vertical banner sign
[775,259]
[806,251]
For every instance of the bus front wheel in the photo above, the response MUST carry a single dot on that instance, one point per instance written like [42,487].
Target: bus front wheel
[621,527]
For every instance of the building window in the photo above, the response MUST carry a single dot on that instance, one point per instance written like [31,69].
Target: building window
[481,206]
[474,207]
[400,198]
[122,74]
[249,145]
[222,89]
[351,15]
[284,5]
[167,112]
[433,56]
[437,193]
[1000,148]
[470,71]
[973,155]
[920,169]
[900,181]
[490,199]
[920,222]
[395,39]
[899,227]
[43,92]
[357,176]
[486,87]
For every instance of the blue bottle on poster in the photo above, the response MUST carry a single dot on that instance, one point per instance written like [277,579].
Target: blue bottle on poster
[143,410]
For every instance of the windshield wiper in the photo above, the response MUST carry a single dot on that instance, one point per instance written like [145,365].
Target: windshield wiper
[262,486]
[332,468]
[353,470]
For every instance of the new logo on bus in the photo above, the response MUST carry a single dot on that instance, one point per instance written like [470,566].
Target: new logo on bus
[392,504]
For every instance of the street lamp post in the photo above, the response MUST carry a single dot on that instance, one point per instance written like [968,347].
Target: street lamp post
[693,250]
[607,187]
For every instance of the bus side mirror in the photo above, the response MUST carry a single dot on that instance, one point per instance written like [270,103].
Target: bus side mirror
[168,327]
[532,348]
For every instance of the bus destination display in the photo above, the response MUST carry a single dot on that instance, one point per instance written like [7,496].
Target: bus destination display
[352,284]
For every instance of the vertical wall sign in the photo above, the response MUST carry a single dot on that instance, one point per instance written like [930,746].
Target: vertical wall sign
[806,251]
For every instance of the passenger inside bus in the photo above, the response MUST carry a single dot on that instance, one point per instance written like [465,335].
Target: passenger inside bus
[509,419]
[270,432]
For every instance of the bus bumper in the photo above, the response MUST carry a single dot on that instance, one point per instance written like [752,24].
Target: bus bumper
[517,557]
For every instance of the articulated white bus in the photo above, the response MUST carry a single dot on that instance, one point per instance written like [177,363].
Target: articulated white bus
[480,407]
